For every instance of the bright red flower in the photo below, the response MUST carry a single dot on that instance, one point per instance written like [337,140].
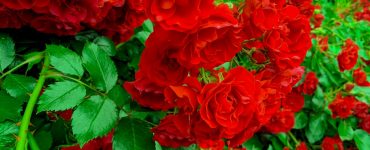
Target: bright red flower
[50,24]
[310,84]
[215,42]
[174,131]
[347,58]
[66,115]
[301,146]
[230,104]
[147,93]
[349,86]
[365,124]
[317,20]
[179,15]
[9,18]
[259,56]
[332,143]
[294,101]
[282,121]
[360,77]
[206,137]
[103,143]
[360,109]
[342,106]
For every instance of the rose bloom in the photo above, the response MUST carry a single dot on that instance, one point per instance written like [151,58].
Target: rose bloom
[50,24]
[310,83]
[365,124]
[332,143]
[294,101]
[347,58]
[360,109]
[301,146]
[360,77]
[282,121]
[230,105]
[342,106]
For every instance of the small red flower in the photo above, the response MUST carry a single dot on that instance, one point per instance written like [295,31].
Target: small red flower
[310,83]
[349,86]
[301,146]
[342,106]
[360,77]
[347,58]
[360,109]
[365,124]
[294,101]
[332,143]
[282,121]
[324,43]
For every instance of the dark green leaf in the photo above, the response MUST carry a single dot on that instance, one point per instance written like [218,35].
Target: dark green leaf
[93,118]
[362,139]
[316,128]
[44,140]
[7,132]
[65,60]
[100,67]
[253,144]
[300,120]
[106,45]
[10,107]
[119,96]
[19,86]
[61,96]
[345,131]
[132,134]
[7,52]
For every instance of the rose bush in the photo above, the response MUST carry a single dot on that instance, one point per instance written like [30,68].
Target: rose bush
[177,74]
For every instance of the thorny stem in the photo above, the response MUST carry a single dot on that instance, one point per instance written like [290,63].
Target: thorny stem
[22,135]
[21,64]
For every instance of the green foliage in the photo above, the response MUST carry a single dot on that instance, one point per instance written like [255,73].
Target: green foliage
[93,118]
[65,60]
[362,139]
[316,128]
[10,107]
[7,132]
[7,52]
[61,96]
[101,68]
[106,45]
[132,134]
[345,131]
[19,86]
[301,120]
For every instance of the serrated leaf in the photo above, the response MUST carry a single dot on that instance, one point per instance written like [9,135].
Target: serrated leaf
[65,60]
[316,128]
[7,132]
[7,52]
[362,139]
[106,45]
[10,107]
[61,96]
[93,118]
[100,66]
[300,120]
[19,86]
[345,131]
[132,134]
[119,96]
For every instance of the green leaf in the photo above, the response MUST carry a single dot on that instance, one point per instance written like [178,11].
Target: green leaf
[61,96]
[362,93]
[19,86]
[142,36]
[10,107]
[253,144]
[316,128]
[33,58]
[7,132]
[119,96]
[7,52]
[106,45]
[300,120]
[93,118]
[44,140]
[345,131]
[148,25]
[132,134]
[65,60]
[362,139]
[100,67]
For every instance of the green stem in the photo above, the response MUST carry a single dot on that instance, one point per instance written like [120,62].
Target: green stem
[34,58]
[293,138]
[204,75]
[32,142]
[22,135]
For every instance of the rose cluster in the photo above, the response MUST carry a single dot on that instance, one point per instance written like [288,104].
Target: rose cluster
[211,107]
[114,18]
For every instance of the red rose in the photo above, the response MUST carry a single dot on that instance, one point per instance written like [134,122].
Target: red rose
[317,20]
[184,97]
[349,86]
[206,137]
[360,109]
[179,15]
[342,106]
[70,11]
[259,57]
[365,124]
[360,77]
[216,41]
[230,104]
[147,93]
[50,24]
[66,115]
[158,60]
[332,143]
[310,83]
[282,121]
[294,102]
[301,146]
[323,43]
[103,143]
[347,58]
[174,131]
[9,18]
